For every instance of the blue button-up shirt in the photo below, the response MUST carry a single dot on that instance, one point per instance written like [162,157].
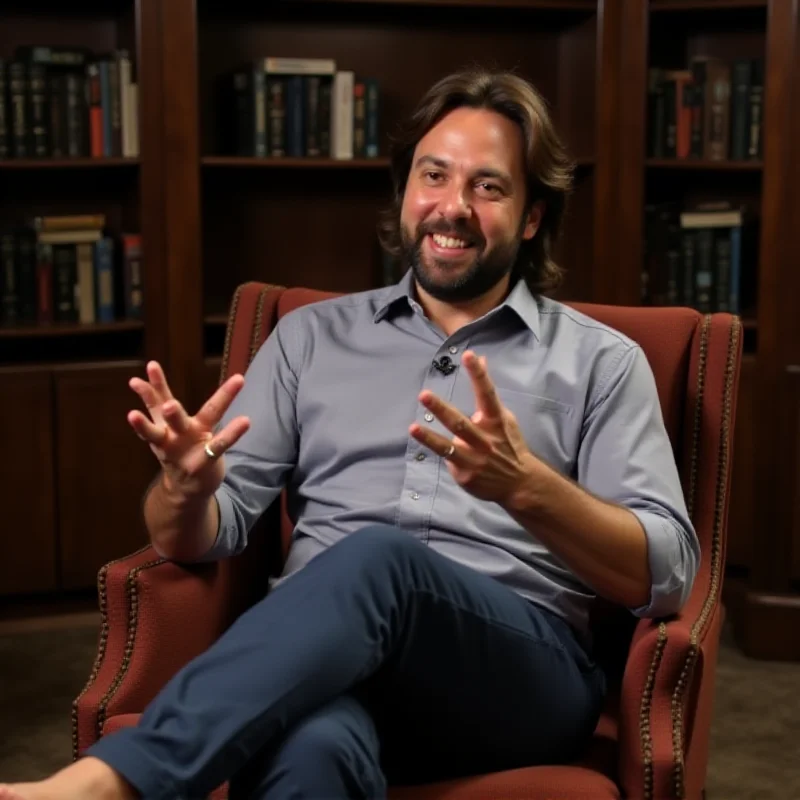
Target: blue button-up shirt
[333,390]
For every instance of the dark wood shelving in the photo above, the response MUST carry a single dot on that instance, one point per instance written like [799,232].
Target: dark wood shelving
[705,5]
[215,319]
[294,163]
[67,163]
[317,163]
[705,164]
[69,329]
[546,5]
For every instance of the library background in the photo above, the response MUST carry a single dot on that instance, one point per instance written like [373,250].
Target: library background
[155,155]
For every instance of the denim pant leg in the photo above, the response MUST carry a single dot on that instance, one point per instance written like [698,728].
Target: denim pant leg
[382,613]
[334,752]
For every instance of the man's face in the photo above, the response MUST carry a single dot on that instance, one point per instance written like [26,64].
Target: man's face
[462,215]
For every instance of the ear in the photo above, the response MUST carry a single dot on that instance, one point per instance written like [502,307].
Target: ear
[534,220]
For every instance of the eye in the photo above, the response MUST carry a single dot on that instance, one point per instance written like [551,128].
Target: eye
[432,176]
[490,188]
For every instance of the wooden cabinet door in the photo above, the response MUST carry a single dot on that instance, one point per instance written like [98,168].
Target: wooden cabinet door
[742,509]
[102,469]
[793,467]
[28,541]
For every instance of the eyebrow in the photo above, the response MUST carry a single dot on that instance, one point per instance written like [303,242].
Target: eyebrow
[483,172]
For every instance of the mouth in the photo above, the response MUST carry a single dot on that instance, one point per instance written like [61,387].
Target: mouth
[448,246]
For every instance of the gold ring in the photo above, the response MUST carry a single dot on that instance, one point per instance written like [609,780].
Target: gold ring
[450,451]
[209,452]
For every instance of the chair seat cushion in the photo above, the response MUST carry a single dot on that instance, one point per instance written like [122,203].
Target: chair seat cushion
[589,779]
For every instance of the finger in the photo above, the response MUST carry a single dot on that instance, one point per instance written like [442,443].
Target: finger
[221,442]
[439,444]
[216,405]
[175,416]
[485,393]
[455,421]
[146,430]
[158,381]
[149,398]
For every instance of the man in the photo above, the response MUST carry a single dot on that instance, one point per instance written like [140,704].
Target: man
[469,464]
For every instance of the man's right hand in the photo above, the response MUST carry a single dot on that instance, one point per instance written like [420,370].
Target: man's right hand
[179,440]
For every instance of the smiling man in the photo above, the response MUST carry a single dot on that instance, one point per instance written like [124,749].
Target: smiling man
[469,465]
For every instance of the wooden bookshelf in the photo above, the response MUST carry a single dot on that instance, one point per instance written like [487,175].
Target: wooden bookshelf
[77,480]
[705,165]
[764,532]
[211,219]
[67,163]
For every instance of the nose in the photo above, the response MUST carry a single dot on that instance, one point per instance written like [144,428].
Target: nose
[454,202]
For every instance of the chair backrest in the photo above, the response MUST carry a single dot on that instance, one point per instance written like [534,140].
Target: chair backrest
[695,360]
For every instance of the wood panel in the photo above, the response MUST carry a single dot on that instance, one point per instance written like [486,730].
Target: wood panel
[28,544]
[102,469]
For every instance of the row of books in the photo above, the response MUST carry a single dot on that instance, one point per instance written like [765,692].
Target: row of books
[702,257]
[67,103]
[69,269]
[711,110]
[302,107]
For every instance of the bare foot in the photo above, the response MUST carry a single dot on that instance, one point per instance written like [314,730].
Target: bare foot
[87,778]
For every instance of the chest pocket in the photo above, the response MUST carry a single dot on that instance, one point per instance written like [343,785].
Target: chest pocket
[551,429]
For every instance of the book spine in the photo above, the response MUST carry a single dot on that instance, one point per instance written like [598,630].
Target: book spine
[5,151]
[17,95]
[371,118]
[740,107]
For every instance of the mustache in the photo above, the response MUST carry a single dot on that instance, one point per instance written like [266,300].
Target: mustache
[456,230]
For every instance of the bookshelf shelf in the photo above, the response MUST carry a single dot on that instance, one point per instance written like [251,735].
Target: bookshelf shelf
[69,329]
[66,163]
[245,162]
[705,164]
[705,5]
[544,5]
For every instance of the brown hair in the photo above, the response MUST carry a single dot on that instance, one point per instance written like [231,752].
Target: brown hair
[549,169]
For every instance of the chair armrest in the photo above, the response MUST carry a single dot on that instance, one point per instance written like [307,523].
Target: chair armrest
[665,710]
[156,616]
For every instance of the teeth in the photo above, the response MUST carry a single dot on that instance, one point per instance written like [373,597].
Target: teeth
[447,241]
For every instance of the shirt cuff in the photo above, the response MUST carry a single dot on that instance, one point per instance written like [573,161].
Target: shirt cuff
[224,544]
[672,565]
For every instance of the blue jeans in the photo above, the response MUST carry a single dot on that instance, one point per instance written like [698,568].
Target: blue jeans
[380,662]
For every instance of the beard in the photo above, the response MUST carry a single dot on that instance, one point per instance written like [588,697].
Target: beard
[455,282]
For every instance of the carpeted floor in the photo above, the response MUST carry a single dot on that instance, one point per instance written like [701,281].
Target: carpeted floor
[754,745]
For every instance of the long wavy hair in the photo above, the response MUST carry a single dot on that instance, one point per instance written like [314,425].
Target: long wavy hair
[549,170]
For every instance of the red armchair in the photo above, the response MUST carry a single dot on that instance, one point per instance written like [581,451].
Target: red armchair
[652,740]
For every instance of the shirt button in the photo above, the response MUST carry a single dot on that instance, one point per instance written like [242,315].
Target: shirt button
[428,417]
[415,495]
[420,456]
[453,349]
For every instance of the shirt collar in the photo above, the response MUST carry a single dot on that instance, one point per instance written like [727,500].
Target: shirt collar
[401,292]
[520,300]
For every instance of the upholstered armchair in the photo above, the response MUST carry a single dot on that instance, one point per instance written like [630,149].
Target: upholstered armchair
[652,740]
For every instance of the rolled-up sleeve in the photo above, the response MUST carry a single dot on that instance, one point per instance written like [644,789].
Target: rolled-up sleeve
[256,467]
[626,458]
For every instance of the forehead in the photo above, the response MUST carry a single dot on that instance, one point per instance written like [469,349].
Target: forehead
[474,137]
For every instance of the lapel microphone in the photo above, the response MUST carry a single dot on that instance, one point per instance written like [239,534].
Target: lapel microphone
[445,365]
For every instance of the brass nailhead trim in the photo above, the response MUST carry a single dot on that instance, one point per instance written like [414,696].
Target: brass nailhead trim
[258,322]
[133,622]
[645,736]
[720,496]
[226,349]
[102,644]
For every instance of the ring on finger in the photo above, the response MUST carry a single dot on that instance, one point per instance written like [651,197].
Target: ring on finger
[450,451]
[209,452]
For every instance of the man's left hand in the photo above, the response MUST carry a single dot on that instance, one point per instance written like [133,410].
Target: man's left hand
[487,454]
